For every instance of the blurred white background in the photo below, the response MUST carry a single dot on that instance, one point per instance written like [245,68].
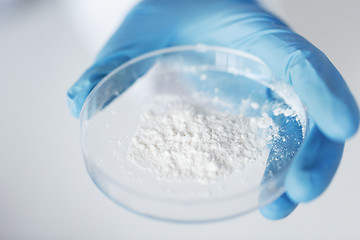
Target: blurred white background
[45,192]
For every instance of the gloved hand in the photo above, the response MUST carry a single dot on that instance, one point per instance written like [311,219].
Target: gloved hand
[244,25]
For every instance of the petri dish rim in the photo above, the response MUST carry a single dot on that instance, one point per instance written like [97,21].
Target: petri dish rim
[196,48]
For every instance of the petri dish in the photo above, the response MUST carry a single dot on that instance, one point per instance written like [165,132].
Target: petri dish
[111,116]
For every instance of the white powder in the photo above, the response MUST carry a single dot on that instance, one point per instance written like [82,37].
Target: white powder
[180,141]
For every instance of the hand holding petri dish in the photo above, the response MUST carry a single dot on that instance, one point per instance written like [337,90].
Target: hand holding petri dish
[192,133]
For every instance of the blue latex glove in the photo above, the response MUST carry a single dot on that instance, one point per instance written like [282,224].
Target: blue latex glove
[244,25]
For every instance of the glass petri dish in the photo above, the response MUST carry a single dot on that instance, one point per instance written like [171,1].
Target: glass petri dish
[111,114]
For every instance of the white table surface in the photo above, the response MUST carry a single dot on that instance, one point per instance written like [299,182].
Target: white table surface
[45,192]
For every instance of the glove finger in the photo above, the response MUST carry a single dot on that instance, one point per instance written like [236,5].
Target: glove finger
[313,167]
[78,93]
[279,209]
[317,82]
[324,91]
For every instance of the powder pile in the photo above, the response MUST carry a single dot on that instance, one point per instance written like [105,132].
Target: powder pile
[186,142]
